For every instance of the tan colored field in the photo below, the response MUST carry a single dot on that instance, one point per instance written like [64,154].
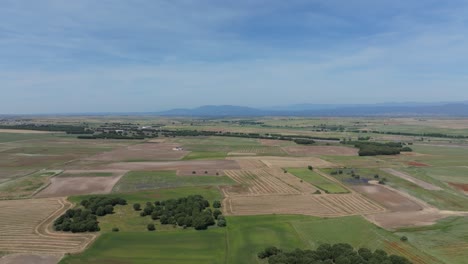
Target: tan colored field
[22,258]
[315,205]
[31,232]
[289,162]
[250,164]
[266,182]
[142,152]
[321,150]
[67,186]
[197,165]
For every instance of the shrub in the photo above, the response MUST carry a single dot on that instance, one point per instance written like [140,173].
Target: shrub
[151,227]
[137,207]
[115,229]
[216,204]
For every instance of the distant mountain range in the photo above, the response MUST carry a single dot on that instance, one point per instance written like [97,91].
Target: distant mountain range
[387,109]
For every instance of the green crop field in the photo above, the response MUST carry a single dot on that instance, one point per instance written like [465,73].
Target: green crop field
[317,180]
[199,155]
[447,240]
[144,180]
[240,241]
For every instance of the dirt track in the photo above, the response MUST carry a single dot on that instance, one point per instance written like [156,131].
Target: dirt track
[420,183]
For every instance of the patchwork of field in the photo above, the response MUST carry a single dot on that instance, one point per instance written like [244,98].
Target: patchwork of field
[143,152]
[25,227]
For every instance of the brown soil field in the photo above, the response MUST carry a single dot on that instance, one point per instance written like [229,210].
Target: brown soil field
[265,182]
[197,165]
[321,150]
[395,220]
[289,162]
[460,186]
[92,173]
[30,258]
[32,232]
[142,152]
[314,205]
[271,142]
[417,164]
[66,186]
[420,183]
[391,200]
[265,150]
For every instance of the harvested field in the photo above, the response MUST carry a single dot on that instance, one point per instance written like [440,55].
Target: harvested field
[460,186]
[273,142]
[142,152]
[391,200]
[197,165]
[31,232]
[418,164]
[92,173]
[289,162]
[416,181]
[67,186]
[30,258]
[267,181]
[315,205]
[321,150]
[250,164]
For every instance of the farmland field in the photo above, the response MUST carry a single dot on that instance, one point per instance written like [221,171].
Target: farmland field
[317,180]
[242,240]
[267,193]
[143,180]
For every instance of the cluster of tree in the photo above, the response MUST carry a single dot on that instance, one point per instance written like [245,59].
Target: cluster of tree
[191,211]
[331,254]
[102,205]
[85,220]
[302,141]
[69,129]
[111,135]
[77,220]
[367,148]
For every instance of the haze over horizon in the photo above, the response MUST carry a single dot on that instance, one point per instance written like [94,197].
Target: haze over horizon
[144,56]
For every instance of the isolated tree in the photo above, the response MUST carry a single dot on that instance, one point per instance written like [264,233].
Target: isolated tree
[151,227]
[137,207]
[310,167]
[115,229]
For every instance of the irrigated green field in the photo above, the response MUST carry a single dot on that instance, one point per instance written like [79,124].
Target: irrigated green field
[241,241]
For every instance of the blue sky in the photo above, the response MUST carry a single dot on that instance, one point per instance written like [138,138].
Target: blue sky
[93,56]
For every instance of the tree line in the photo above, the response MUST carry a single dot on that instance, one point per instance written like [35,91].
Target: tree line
[331,254]
[367,148]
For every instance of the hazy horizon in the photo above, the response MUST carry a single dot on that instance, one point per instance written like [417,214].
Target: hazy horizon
[146,56]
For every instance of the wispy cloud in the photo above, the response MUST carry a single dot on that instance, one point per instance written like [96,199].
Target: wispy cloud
[150,55]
